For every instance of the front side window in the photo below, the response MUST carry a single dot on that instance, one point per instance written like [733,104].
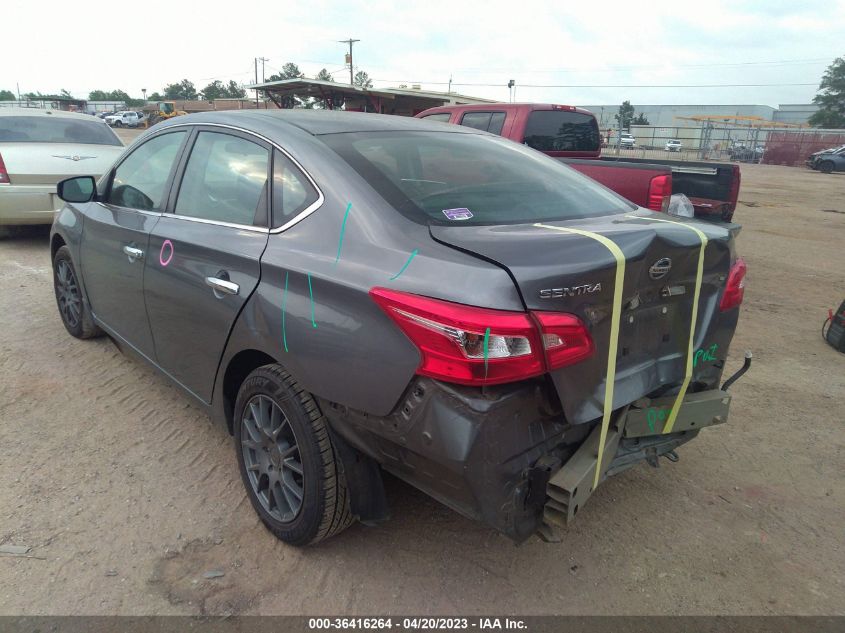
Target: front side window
[55,129]
[487,121]
[437,176]
[225,180]
[140,180]
[562,131]
[292,193]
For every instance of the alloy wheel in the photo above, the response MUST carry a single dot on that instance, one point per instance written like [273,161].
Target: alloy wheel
[67,292]
[271,458]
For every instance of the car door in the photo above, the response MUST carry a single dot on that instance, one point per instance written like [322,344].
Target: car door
[116,235]
[205,253]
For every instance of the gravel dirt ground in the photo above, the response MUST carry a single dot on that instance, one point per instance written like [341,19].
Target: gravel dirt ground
[127,495]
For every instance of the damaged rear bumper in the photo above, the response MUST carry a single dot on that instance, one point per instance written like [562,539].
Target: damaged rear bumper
[506,456]
[636,434]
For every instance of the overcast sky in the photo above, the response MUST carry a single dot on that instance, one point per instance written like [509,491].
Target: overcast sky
[81,46]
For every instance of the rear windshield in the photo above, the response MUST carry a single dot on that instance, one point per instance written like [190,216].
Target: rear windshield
[46,129]
[562,131]
[447,177]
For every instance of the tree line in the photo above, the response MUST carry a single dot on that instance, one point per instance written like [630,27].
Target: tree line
[186,90]
[830,97]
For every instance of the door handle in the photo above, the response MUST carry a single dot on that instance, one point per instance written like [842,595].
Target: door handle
[133,253]
[222,286]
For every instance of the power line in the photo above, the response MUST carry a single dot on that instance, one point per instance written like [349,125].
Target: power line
[500,85]
[783,62]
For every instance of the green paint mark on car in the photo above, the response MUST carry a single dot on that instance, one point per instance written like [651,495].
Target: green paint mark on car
[705,354]
[284,307]
[402,270]
[342,231]
[311,295]
[486,349]
[654,414]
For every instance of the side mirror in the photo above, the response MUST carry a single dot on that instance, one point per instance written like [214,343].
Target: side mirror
[79,189]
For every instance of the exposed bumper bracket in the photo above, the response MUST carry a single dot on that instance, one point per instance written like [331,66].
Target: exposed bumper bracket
[570,487]
[705,408]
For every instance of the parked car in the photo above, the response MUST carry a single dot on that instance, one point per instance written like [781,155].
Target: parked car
[347,293]
[38,148]
[828,160]
[627,140]
[571,135]
[125,119]
[673,145]
[744,154]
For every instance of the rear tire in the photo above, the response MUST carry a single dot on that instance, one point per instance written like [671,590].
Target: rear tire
[288,465]
[826,167]
[73,307]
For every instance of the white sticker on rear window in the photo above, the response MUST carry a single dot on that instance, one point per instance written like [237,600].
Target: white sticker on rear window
[458,214]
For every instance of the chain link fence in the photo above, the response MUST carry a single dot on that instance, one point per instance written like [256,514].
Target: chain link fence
[725,143]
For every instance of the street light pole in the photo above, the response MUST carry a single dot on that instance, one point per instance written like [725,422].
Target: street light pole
[350,41]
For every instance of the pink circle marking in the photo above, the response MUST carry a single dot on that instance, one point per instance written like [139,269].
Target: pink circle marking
[161,259]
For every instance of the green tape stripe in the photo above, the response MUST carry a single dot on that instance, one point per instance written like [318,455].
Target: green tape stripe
[614,332]
[699,275]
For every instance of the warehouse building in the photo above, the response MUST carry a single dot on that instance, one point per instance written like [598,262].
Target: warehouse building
[677,115]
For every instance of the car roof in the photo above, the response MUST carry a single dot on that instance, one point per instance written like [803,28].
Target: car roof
[43,112]
[318,122]
[500,106]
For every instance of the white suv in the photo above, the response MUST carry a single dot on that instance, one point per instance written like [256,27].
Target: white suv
[627,140]
[673,145]
[124,119]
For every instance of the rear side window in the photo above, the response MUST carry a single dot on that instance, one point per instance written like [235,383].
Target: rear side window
[442,117]
[225,180]
[49,129]
[562,131]
[488,121]
[139,180]
[471,178]
[292,193]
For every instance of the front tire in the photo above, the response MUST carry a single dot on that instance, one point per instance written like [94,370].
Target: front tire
[826,167]
[292,475]
[73,308]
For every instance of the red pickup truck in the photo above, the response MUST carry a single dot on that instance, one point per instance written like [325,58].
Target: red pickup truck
[571,135]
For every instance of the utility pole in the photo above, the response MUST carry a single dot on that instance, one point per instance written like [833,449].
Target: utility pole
[256,81]
[262,60]
[350,41]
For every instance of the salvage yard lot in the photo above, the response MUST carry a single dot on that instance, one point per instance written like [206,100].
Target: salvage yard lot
[127,495]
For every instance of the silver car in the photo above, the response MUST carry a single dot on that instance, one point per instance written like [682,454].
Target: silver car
[38,148]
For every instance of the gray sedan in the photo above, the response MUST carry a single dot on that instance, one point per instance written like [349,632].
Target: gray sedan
[38,148]
[349,293]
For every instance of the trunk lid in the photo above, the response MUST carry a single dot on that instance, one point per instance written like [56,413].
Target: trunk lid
[566,272]
[48,163]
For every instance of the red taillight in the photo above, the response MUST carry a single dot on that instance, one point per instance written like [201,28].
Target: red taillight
[735,286]
[479,346]
[659,192]
[565,338]
[564,107]
[4,174]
